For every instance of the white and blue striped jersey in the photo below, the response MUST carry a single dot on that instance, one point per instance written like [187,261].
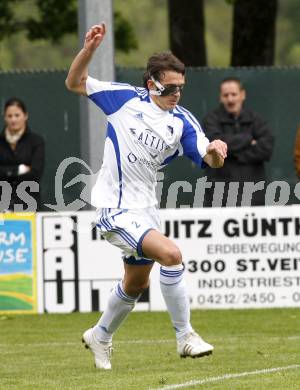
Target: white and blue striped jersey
[140,139]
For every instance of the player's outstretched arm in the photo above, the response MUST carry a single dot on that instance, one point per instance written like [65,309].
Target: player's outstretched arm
[216,153]
[78,71]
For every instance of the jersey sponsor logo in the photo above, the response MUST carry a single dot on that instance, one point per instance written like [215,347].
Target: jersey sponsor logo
[152,142]
[131,157]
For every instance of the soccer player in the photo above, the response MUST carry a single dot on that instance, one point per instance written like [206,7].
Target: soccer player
[146,130]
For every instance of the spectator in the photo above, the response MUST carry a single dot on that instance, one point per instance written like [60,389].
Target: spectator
[297,153]
[22,155]
[249,140]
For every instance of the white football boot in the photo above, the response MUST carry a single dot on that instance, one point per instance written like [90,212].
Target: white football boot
[193,345]
[102,351]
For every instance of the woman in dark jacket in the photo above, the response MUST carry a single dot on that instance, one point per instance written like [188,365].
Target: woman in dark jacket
[22,157]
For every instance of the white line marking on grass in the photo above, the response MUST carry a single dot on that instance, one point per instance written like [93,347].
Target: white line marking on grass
[227,376]
[294,338]
[56,343]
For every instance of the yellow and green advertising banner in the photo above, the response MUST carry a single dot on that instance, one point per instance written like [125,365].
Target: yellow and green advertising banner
[18,263]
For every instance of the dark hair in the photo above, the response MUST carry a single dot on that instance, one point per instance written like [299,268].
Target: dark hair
[15,102]
[234,79]
[159,63]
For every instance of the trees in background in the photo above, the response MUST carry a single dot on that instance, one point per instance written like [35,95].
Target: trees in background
[197,37]
[288,28]
[7,18]
[187,31]
[253,35]
[55,19]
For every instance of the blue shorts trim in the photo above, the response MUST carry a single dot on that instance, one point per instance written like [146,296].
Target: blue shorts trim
[133,261]
[139,244]
[116,229]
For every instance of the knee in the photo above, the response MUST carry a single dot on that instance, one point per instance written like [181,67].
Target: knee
[172,257]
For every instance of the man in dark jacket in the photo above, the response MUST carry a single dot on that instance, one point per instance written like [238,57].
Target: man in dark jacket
[250,144]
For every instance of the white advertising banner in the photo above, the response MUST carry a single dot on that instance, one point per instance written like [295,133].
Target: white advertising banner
[77,268]
[233,257]
[239,257]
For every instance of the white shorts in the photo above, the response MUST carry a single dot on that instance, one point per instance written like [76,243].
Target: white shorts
[126,229]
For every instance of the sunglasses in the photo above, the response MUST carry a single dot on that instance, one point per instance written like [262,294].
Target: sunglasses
[165,90]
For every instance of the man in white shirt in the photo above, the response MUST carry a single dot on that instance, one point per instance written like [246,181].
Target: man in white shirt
[146,130]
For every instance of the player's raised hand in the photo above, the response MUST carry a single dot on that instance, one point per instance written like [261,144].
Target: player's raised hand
[94,36]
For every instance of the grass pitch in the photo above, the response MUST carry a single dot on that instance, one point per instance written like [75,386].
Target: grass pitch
[45,352]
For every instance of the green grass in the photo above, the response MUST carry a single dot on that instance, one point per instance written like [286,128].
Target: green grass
[45,352]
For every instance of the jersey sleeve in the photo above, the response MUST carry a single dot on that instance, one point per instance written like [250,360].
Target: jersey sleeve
[193,140]
[109,96]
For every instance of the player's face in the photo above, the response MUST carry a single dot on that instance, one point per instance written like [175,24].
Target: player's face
[15,118]
[232,97]
[169,78]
